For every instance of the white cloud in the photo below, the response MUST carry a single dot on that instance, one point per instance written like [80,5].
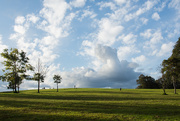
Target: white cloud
[2,46]
[32,18]
[19,29]
[111,5]
[153,36]
[162,6]
[108,32]
[0,38]
[139,59]
[147,34]
[156,16]
[175,32]
[174,4]
[78,3]
[129,39]
[54,12]
[125,51]
[57,21]
[19,20]
[166,49]
[156,37]
[120,2]
[87,13]
[145,7]
[112,72]
[153,39]
[88,48]
[144,20]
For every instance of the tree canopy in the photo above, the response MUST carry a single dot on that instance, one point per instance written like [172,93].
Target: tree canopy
[146,82]
[16,64]
[57,79]
[171,66]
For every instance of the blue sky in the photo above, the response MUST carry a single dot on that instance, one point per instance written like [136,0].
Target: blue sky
[91,43]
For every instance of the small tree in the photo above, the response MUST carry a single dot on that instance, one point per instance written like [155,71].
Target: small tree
[57,79]
[40,73]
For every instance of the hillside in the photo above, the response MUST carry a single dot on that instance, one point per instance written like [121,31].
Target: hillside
[90,104]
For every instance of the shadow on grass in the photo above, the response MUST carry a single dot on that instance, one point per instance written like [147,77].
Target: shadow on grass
[17,116]
[51,104]
[88,96]
[95,107]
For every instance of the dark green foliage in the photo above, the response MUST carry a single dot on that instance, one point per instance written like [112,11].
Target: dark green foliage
[147,82]
[176,50]
[171,67]
[57,79]
[16,64]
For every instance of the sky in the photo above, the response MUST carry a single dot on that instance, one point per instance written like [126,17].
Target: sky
[91,43]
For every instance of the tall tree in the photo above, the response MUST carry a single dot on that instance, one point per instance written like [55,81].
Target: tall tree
[171,66]
[57,79]
[176,50]
[40,73]
[16,64]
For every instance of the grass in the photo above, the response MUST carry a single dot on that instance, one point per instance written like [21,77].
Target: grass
[90,104]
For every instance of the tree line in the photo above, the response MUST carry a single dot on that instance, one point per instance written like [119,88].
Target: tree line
[16,65]
[148,82]
[170,69]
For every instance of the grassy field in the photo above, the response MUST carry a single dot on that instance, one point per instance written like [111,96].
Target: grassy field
[90,104]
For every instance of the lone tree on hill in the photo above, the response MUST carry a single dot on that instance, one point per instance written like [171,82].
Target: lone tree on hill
[16,64]
[40,73]
[57,79]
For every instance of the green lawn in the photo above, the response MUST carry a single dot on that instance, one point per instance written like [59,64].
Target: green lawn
[90,104]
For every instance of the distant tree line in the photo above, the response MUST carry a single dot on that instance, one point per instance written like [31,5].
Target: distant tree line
[170,70]
[148,82]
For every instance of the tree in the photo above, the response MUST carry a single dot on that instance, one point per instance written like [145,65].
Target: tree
[162,84]
[171,66]
[16,64]
[146,82]
[57,79]
[176,50]
[40,73]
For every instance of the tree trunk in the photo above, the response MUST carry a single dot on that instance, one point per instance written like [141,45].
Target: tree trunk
[57,87]
[15,83]
[18,84]
[174,84]
[164,90]
[18,88]
[38,85]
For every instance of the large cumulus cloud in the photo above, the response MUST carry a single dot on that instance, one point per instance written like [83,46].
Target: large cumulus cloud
[111,73]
